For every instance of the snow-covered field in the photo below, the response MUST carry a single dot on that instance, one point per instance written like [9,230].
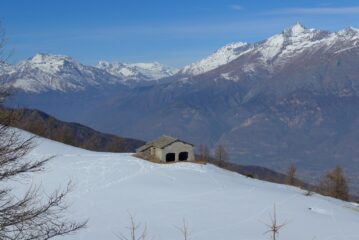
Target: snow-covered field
[217,204]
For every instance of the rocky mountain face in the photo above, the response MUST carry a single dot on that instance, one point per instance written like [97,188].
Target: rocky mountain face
[291,98]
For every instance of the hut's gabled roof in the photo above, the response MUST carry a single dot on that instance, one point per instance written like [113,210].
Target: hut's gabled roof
[160,142]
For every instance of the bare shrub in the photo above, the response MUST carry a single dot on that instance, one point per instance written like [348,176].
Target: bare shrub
[291,180]
[184,230]
[273,226]
[135,231]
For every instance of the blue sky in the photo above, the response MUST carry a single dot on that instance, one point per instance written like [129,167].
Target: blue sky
[172,32]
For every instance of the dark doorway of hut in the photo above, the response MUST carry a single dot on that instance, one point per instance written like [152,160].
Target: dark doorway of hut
[170,157]
[183,156]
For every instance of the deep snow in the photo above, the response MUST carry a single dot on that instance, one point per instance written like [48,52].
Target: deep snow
[216,204]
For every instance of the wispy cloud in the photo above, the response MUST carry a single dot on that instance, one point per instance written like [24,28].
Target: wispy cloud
[236,7]
[317,11]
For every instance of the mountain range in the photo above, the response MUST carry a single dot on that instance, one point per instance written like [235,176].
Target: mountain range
[45,72]
[291,98]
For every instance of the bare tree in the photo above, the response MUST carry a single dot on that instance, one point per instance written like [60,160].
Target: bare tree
[221,155]
[203,153]
[136,231]
[30,216]
[184,230]
[291,180]
[273,226]
[334,184]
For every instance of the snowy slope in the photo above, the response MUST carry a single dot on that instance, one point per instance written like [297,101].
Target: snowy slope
[217,204]
[222,56]
[6,68]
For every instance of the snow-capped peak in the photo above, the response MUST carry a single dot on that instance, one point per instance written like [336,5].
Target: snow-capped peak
[351,29]
[49,63]
[57,72]
[299,31]
[44,72]
[103,64]
[222,56]
[154,70]
[137,71]
[148,66]
[44,57]
[117,69]
[296,29]
[296,36]
[291,41]
[354,29]
[275,51]
[349,32]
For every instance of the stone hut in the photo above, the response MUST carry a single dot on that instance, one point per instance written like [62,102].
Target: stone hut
[167,149]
